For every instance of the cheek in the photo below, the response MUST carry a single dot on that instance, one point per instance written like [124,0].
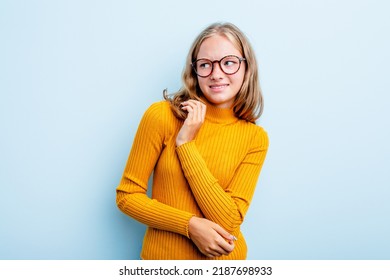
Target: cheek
[239,80]
[202,84]
[243,73]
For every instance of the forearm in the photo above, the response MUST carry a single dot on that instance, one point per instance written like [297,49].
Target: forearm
[153,213]
[216,204]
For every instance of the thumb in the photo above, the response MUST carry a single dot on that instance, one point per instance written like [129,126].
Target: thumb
[221,231]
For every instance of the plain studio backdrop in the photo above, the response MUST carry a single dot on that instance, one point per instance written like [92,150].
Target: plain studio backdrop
[76,77]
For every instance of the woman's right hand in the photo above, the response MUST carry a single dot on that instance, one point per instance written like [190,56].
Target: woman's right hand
[195,118]
[210,238]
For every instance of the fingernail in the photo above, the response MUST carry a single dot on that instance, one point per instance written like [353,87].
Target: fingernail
[234,238]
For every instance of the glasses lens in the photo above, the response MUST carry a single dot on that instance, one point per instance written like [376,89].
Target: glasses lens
[203,67]
[230,64]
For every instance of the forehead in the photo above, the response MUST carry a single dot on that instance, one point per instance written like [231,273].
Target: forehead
[216,47]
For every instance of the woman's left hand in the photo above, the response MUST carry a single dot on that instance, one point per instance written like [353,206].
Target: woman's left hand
[210,238]
[195,118]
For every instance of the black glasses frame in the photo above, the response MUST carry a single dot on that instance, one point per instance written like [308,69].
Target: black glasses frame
[240,59]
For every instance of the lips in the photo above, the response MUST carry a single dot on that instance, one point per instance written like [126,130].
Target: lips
[218,87]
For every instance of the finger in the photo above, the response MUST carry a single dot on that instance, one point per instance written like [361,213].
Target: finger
[195,107]
[203,111]
[215,253]
[193,102]
[211,255]
[199,111]
[226,248]
[189,107]
[190,111]
[221,231]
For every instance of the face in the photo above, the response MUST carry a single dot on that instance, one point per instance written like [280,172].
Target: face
[219,88]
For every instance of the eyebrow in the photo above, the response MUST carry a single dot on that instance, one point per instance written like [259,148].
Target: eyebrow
[239,55]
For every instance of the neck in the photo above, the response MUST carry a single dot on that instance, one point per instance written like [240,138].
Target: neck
[219,115]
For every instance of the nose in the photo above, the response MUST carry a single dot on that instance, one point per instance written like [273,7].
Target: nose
[217,72]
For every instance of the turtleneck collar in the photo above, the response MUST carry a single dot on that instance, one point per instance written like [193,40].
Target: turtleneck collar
[219,115]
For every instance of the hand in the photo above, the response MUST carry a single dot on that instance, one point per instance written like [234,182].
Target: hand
[210,238]
[195,118]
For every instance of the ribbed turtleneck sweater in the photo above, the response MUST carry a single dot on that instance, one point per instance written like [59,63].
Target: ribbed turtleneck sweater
[213,177]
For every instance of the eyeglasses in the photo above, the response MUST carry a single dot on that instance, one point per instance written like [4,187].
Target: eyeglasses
[229,64]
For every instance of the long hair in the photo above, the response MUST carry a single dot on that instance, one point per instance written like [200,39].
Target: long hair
[248,104]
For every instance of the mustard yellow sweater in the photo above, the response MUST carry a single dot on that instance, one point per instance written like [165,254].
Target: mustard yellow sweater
[213,176]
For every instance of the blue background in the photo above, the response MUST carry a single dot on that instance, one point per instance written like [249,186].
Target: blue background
[76,77]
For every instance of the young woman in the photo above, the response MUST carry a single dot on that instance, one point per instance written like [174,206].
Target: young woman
[205,152]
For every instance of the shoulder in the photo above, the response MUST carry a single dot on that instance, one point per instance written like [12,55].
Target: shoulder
[159,116]
[159,110]
[259,136]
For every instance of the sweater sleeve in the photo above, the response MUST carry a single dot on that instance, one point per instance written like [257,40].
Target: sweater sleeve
[132,196]
[226,207]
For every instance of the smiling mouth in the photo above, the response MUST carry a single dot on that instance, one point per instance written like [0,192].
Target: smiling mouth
[216,87]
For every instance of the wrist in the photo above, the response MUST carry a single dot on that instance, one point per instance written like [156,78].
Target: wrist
[190,225]
[180,141]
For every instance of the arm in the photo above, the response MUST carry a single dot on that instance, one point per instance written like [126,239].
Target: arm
[226,207]
[131,192]
[133,200]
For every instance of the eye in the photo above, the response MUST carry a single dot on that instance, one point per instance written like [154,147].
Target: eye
[204,64]
[230,61]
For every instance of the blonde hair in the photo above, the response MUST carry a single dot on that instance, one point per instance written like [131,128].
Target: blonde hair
[248,104]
